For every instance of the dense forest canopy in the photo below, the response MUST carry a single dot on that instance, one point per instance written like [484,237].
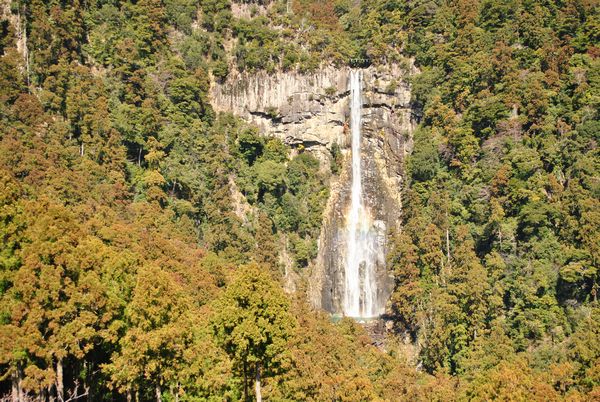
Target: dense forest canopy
[126,271]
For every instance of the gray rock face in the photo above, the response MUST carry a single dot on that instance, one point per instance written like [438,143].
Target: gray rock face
[308,110]
[313,111]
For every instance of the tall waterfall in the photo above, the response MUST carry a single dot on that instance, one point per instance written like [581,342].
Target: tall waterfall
[362,249]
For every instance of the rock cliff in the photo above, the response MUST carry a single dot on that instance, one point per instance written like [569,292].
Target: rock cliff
[311,112]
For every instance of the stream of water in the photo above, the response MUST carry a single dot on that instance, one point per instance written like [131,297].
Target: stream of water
[360,293]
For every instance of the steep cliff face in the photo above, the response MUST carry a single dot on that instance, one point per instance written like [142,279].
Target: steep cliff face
[311,111]
[308,110]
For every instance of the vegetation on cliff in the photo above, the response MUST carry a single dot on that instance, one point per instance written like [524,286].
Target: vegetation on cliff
[499,258]
[128,271]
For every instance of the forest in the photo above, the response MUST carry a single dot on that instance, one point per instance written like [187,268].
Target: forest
[126,272]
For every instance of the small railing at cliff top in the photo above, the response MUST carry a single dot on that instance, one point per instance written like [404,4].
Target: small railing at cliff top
[358,62]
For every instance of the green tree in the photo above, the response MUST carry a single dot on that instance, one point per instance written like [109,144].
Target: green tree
[266,243]
[252,325]
[402,259]
[158,334]
[250,145]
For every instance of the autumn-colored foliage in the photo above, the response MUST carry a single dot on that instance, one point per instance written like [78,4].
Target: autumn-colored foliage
[141,232]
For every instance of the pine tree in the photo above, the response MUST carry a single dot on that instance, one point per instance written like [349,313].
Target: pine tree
[253,324]
[402,260]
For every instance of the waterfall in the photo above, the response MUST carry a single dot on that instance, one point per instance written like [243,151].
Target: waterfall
[362,249]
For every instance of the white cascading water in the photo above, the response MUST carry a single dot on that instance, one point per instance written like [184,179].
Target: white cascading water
[360,294]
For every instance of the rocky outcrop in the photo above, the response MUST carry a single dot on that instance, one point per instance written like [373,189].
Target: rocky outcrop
[311,112]
[16,18]
[302,110]
[250,9]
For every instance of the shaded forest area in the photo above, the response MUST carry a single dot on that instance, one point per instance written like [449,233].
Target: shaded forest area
[127,272]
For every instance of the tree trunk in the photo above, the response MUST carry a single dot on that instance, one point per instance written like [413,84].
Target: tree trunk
[447,238]
[140,156]
[15,385]
[49,394]
[158,393]
[245,381]
[20,382]
[60,390]
[86,380]
[257,384]
[177,392]
[129,397]
[448,244]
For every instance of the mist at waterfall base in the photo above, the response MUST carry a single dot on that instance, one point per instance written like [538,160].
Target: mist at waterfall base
[362,250]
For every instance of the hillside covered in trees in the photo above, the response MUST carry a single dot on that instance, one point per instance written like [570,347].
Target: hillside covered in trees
[128,273]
